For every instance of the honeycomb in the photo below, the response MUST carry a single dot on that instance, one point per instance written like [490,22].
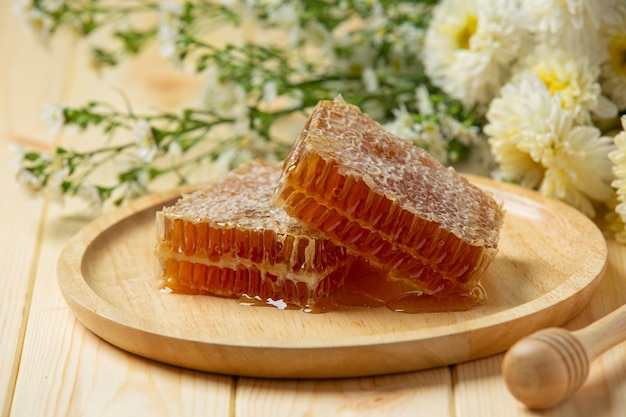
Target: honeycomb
[388,202]
[227,240]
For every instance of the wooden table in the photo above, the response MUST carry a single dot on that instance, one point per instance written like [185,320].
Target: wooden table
[50,365]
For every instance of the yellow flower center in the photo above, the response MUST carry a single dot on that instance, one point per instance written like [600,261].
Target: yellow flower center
[617,52]
[464,35]
[552,80]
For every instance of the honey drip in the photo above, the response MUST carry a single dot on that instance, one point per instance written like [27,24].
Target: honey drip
[367,286]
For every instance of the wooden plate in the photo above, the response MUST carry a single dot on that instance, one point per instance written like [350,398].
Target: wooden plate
[550,262]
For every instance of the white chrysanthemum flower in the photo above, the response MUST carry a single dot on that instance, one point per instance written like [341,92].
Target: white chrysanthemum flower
[170,12]
[575,78]
[618,158]
[614,68]
[54,116]
[572,24]
[470,46]
[578,169]
[536,143]
[144,138]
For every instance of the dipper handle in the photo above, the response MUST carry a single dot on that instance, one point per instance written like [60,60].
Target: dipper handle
[548,366]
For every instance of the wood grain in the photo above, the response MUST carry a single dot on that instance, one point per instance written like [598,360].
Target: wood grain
[17,279]
[107,276]
[21,213]
[389,395]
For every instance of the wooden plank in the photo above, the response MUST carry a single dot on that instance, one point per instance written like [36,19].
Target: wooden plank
[66,370]
[19,245]
[392,395]
[35,76]
[20,212]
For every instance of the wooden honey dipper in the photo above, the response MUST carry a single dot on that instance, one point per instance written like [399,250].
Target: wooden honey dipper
[548,366]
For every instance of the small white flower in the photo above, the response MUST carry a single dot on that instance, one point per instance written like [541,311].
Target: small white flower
[32,182]
[54,116]
[287,17]
[270,91]
[403,124]
[407,45]
[19,152]
[39,23]
[60,172]
[175,151]
[91,196]
[21,7]
[370,80]
[426,135]
[52,6]
[318,35]
[431,138]
[359,54]
[425,105]
[170,13]
[144,138]
[227,98]
[224,162]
